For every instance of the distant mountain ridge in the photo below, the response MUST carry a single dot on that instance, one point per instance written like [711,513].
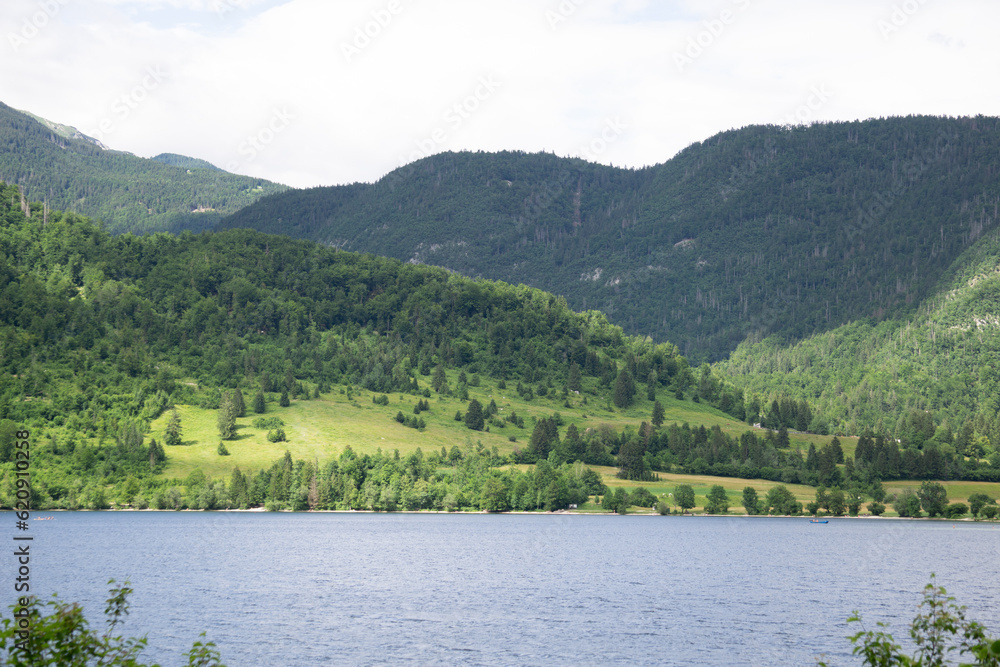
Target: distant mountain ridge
[787,231]
[184,162]
[68,170]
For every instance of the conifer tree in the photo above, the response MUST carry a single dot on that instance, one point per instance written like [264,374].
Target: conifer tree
[574,383]
[227,417]
[259,403]
[624,389]
[658,414]
[474,416]
[239,405]
[172,438]
[283,401]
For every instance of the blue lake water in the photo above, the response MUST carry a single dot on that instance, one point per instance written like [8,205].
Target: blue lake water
[308,589]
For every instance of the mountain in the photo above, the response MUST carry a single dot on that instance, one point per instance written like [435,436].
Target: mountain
[68,170]
[934,370]
[786,231]
[184,162]
[102,337]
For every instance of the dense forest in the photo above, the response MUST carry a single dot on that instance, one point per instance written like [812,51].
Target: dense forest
[930,376]
[102,334]
[68,171]
[786,231]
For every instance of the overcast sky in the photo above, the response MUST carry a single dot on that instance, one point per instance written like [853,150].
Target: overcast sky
[322,92]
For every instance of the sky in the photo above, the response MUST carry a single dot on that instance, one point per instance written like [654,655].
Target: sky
[326,92]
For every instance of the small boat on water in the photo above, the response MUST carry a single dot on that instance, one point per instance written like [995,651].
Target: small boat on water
[819,521]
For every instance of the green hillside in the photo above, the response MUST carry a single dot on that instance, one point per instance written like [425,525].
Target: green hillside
[931,377]
[69,171]
[140,367]
[755,232]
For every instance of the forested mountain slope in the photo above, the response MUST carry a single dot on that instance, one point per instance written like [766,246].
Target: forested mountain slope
[940,365]
[69,171]
[754,232]
[101,335]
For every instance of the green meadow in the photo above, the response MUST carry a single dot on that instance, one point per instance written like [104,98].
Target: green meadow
[320,429]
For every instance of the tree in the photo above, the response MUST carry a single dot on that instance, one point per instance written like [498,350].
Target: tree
[750,500]
[684,496]
[907,504]
[779,500]
[717,502]
[227,418]
[838,504]
[574,382]
[977,501]
[938,632]
[933,498]
[651,381]
[658,414]
[283,401]
[876,508]
[624,389]
[494,496]
[631,459]
[259,403]
[474,416]
[172,437]
[439,381]
[237,488]
[956,510]
[239,406]
[64,636]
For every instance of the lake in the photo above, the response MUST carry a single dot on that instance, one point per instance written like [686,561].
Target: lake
[333,588]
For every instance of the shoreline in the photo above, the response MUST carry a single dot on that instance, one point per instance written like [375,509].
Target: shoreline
[261,510]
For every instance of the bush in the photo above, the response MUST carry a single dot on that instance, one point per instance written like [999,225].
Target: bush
[956,510]
[641,497]
[65,638]
[938,632]
[276,435]
[380,400]
[876,508]
[267,423]
[222,449]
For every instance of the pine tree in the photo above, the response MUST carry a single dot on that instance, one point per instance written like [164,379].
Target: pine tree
[259,403]
[172,438]
[574,383]
[227,417]
[283,401]
[237,488]
[474,416]
[658,414]
[624,389]
[239,406]
[439,381]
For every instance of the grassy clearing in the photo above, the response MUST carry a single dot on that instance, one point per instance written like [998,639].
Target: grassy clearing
[322,428]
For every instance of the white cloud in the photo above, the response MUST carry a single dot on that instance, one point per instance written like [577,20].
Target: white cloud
[392,96]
